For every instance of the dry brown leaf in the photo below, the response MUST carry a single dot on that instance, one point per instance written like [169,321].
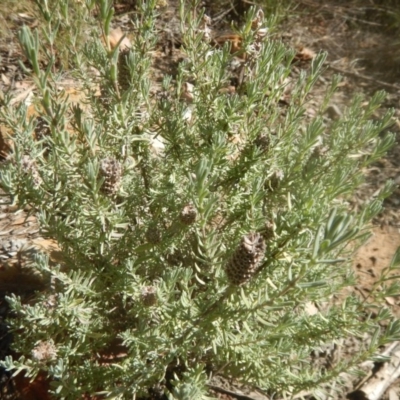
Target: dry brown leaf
[390,300]
[304,54]
[234,40]
[228,90]
[5,143]
[187,92]
[50,247]
[115,36]
[311,309]
[5,79]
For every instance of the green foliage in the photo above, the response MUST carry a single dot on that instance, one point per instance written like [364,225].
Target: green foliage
[149,191]
[278,10]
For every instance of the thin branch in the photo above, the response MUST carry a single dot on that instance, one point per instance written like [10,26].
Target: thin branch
[364,77]
[236,395]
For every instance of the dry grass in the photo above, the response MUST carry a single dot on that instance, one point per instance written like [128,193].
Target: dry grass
[365,33]
[16,13]
[11,14]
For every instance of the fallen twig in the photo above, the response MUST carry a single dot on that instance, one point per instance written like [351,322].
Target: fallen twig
[364,77]
[376,384]
[236,395]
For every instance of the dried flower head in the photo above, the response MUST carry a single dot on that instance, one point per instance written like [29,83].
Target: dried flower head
[124,73]
[262,141]
[44,351]
[205,28]
[42,128]
[268,232]
[111,171]
[153,234]
[261,34]
[149,296]
[319,151]
[29,166]
[246,259]
[206,20]
[187,93]
[276,179]
[188,214]
[174,259]
[258,20]
[51,302]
